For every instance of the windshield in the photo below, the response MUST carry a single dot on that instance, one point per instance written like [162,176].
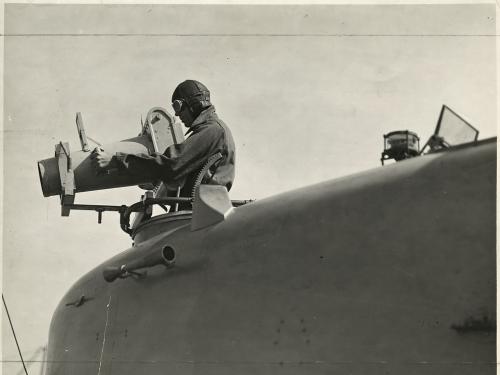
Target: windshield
[454,129]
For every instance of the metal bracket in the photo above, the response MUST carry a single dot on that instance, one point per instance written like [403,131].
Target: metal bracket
[80,301]
[134,274]
[81,132]
[211,205]
[67,177]
[162,127]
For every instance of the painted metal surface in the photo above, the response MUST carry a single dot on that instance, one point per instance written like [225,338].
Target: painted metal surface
[368,274]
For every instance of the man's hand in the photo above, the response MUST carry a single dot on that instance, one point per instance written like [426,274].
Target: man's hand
[101,161]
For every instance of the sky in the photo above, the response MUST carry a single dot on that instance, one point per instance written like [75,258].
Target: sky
[307,90]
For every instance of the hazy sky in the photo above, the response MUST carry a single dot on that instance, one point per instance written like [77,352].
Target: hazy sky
[308,92]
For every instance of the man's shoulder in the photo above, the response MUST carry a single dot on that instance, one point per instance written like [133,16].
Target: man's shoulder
[209,127]
[214,123]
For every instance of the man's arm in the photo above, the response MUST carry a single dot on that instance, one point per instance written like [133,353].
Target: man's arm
[176,162]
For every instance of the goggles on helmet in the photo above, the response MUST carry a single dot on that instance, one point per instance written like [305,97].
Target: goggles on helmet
[178,105]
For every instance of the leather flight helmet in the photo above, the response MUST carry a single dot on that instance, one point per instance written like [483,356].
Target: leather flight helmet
[195,94]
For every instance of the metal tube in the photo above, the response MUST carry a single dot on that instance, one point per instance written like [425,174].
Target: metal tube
[85,175]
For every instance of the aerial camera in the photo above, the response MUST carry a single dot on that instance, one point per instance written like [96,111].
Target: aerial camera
[71,172]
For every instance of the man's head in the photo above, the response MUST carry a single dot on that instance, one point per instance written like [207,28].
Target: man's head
[189,99]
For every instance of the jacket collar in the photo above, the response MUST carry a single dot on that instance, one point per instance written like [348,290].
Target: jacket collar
[202,117]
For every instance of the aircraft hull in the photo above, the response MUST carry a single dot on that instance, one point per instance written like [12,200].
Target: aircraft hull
[391,271]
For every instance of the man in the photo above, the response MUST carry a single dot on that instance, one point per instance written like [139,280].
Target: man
[180,164]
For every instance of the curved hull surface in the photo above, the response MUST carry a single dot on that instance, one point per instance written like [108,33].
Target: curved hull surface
[391,271]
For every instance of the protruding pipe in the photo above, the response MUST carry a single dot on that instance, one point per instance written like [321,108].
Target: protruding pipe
[166,257]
